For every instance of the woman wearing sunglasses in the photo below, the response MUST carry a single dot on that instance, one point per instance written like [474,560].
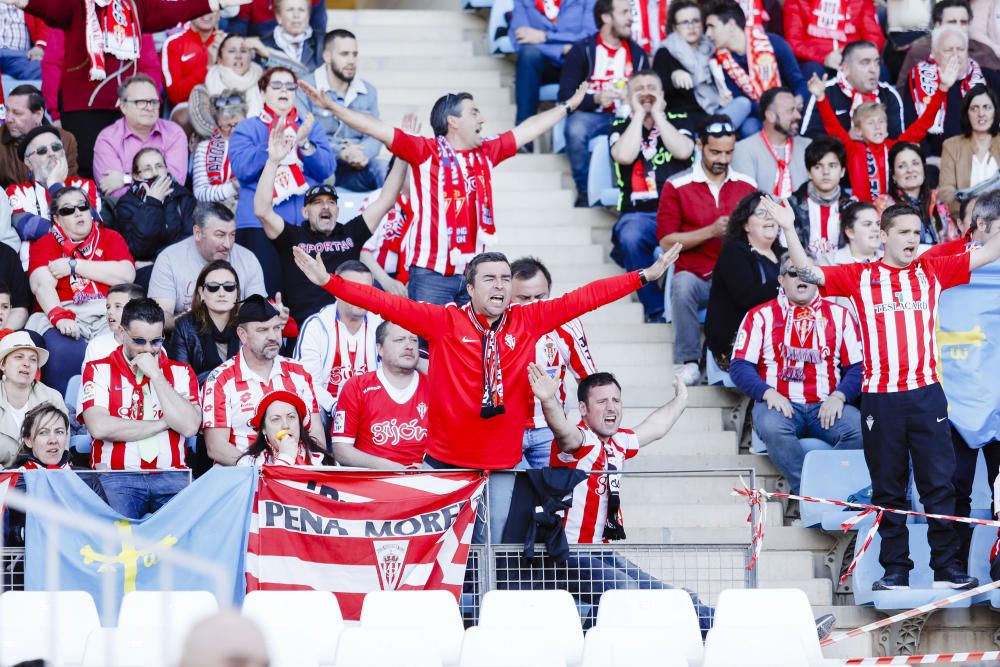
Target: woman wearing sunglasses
[206,336]
[70,270]
[309,163]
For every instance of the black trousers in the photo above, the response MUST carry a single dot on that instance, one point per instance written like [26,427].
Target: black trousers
[85,126]
[255,240]
[965,471]
[896,428]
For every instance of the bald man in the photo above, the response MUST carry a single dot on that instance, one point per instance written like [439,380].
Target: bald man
[225,640]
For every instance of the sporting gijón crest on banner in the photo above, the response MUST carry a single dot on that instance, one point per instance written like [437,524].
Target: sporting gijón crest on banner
[352,533]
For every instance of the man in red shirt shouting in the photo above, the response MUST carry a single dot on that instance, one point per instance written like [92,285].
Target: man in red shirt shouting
[904,413]
[480,398]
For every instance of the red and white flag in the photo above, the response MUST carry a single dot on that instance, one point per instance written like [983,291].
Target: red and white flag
[352,533]
[8,480]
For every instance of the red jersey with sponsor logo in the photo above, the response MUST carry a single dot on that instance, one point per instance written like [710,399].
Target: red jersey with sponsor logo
[586,519]
[381,420]
[110,383]
[897,310]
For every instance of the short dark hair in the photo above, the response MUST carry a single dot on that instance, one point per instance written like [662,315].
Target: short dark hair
[937,13]
[648,71]
[964,204]
[593,381]
[142,310]
[265,78]
[974,92]
[676,7]
[204,210]
[351,265]
[823,145]
[727,11]
[527,268]
[334,34]
[771,94]
[229,36]
[133,290]
[602,7]
[36,100]
[445,106]
[987,209]
[382,331]
[854,46]
[890,214]
[849,216]
[473,266]
[5,289]
[136,78]
[894,190]
[720,119]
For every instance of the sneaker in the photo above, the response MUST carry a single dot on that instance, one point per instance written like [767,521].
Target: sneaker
[656,318]
[581,200]
[689,373]
[825,625]
[892,582]
[955,579]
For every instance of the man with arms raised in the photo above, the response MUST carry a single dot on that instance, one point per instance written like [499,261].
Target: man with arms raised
[904,413]
[381,420]
[480,399]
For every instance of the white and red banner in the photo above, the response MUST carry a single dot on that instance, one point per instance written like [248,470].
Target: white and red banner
[8,480]
[352,533]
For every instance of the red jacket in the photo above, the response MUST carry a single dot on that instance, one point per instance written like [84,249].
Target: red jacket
[861,23]
[857,160]
[75,85]
[185,63]
[457,434]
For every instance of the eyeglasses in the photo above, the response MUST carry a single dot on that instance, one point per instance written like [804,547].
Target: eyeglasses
[762,212]
[142,342]
[214,287]
[720,128]
[44,150]
[287,85]
[145,104]
[63,211]
[690,23]
[221,102]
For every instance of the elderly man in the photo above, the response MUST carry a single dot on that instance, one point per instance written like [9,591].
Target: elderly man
[25,112]
[947,41]
[773,157]
[177,267]
[139,127]
[856,83]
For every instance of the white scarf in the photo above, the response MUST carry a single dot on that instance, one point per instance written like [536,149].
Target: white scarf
[221,78]
[291,45]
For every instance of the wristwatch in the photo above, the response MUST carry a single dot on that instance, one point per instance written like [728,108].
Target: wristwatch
[568,108]
[307,147]
[72,266]
[642,276]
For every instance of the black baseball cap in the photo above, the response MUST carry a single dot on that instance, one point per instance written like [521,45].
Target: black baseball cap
[321,189]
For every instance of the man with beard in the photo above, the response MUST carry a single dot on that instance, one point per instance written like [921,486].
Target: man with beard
[381,419]
[234,389]
[694,211]
[320,233]
[773,157]
[358,167]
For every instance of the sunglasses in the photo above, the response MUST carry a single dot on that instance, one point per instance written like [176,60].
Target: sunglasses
[278,85]
[141,342]
[63,211]
[221,102]
[720,128]
[44,150]
[214,287]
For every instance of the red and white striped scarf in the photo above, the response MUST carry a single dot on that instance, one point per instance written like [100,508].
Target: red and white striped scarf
[217,159]
[549,8]
[112,27]
[802,340]
[924,81]
[876,158]
[492,402]
[289,179]
[84,289]
[468,187]
[857,97]
[761,62]
[646,32]
[783,183]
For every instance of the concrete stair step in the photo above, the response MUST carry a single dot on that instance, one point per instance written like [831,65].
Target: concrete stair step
[549,254]
[424,63]
[497,120]
[547,162]
[373,34]
[702,515]
[738,463]
[615,333]
[819,591]
[784,565]
[658,490]
[608,355]
[484,79]
[557,214]
[543,238]
[519,177]
[646,375]
[429,48]
[507,200]
[625,314]
[679,443]
[778,538]
[693,419]
[426,96]
[413,18]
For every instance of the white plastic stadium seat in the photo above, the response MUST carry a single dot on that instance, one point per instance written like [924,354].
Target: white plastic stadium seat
[284,616]
[760,608]
[549,614]
[769,645]
[669,612]
[171,614]
[26,629]
[361,647]
[499,647]
[432,616]
[631,647]
[106,647]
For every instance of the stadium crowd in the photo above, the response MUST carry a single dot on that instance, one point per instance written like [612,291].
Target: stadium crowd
[177,290]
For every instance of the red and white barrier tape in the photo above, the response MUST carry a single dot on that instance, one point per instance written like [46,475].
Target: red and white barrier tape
[929,659]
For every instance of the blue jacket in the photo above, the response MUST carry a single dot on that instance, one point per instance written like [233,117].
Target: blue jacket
[575,21]
[247,157]
[788,68]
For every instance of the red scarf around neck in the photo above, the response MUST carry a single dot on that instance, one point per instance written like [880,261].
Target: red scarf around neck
[549,8]
[84,289]
[492,401]
[217,159]
[925,79]
[783,183]
[762,64]
[111,28]
[857,97]
[289,179]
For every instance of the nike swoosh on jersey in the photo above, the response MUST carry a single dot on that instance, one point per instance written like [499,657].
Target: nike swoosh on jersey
[469,340]
[186,57]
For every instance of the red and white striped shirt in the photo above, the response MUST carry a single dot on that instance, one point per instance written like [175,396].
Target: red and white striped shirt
[897,309]
[585,520]
[426,242]
[111,384]
[566,347]
[763,340]
[232,392]
[386,242]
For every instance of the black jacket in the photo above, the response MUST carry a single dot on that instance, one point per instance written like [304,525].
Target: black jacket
[579,64]
[189,346]
[678,99]
[150,225]
[539,495]
[742,279]
[799,202]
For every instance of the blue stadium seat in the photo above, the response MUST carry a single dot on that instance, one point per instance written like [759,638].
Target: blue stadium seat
[549,92]
[982,497]
[979,563]
[497,23]
[81,444]
[834,475]
[350,203]
[72,392]
[758,446]
[920,593]
[601,188]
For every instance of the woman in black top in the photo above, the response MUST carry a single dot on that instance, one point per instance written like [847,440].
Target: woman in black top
[745,275]
[206,337]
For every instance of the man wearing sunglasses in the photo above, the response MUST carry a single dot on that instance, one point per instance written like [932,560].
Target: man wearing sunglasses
[798,356]
[140,407]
